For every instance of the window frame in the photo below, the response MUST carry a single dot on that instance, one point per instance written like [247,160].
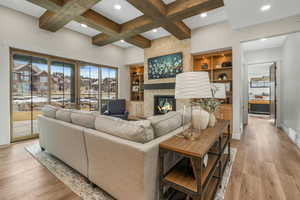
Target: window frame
[50,59]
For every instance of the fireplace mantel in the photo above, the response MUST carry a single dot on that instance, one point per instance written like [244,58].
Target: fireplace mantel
[159,86]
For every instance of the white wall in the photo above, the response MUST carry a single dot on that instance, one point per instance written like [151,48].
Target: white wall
[263,56]
[134,55]
[290,83]
[22,31]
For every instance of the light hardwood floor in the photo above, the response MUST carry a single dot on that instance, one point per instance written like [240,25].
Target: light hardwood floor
[267,167]
[24,178]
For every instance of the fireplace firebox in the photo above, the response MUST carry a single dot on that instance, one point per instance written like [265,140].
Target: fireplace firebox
[164,104]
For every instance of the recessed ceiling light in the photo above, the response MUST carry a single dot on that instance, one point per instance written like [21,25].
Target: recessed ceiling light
[122,41]
[203,15]
[263,39]
[154,30]
[83,25]
[265,7]
[117,7]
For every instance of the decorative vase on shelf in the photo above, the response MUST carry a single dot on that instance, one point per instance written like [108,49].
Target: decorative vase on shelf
[212,120]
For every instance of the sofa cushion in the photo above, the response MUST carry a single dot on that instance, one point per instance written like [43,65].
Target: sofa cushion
[49,111]
[83,118]
[164,124]
[136,131]
[64,115]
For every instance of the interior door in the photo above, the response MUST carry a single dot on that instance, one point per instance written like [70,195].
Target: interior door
[273,92]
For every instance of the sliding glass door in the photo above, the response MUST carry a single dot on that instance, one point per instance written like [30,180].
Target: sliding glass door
[29,94]
[63,84]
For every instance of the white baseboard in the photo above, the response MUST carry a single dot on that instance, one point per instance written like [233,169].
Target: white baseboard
[284,128]
[4,146]
[236,136]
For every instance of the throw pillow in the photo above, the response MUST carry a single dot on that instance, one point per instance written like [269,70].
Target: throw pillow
[141,132]
[164,124]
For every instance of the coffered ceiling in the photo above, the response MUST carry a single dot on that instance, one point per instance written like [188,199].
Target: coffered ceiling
[134,22]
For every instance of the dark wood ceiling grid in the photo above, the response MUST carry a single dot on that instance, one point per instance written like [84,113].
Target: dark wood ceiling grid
[156,14]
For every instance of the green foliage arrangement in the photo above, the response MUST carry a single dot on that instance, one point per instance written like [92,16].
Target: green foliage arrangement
[211,105]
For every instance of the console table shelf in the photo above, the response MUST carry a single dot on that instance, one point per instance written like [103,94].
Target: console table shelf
[189,176]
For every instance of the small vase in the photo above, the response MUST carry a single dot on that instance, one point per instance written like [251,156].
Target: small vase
[200,118]
[212,120]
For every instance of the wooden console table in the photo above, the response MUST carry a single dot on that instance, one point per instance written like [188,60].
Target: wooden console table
[198,183]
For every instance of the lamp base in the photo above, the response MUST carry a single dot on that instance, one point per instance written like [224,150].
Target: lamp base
[191,126]
[191,134]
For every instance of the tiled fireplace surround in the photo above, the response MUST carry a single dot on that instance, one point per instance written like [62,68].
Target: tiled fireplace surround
[160,47]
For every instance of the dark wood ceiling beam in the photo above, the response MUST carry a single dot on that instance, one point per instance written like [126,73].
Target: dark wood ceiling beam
[180,30]
[53,21]
[99,22]
[52,5]
[139,41]
[182,9]
[157,10]
[110,30]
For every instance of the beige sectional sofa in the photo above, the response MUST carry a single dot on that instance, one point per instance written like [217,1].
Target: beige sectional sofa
[121,157]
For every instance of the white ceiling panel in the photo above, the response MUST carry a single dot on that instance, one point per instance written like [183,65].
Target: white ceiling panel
[160,32]
[243,13]
[214,16]
[24,7]
[123,44]
[126,13]
[168,1]
[75,26]
[264,43]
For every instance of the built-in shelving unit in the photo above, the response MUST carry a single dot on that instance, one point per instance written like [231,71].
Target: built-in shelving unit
[219,66]
[137,83]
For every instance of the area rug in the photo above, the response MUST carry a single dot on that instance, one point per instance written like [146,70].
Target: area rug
[79,185]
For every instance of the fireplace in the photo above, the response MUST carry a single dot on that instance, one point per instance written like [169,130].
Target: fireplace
[163,104]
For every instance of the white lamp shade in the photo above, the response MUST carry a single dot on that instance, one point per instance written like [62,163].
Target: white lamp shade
[192,85]
[220,90]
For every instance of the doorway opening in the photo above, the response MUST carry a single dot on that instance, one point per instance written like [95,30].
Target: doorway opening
[262,60]
[262,90]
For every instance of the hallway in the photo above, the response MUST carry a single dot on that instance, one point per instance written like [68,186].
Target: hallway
[267,165]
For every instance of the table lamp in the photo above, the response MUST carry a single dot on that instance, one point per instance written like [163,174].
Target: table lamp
[192,85]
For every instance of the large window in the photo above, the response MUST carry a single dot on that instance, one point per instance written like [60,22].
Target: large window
[38,79]
[109,86]
[97,86]
[63,84]
[89,87]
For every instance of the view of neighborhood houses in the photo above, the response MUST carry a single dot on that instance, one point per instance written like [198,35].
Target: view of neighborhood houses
[90,94]
[30,90]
